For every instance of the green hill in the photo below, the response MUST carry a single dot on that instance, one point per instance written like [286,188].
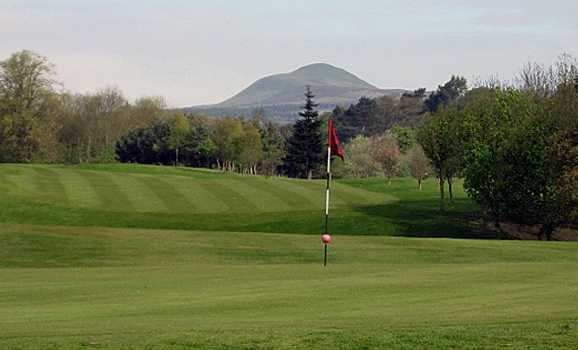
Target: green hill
[180,198]
[116,257]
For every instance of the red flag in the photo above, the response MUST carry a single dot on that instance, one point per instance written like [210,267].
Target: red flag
[334,144]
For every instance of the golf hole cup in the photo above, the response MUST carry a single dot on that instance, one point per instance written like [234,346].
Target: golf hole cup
[326,238]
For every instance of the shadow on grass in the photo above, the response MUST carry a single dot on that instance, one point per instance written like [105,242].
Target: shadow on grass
[423,218]
[409,218]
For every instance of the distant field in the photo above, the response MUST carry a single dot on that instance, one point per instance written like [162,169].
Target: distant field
[134,257]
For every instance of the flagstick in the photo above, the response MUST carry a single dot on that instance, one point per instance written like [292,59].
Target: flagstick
[327,203]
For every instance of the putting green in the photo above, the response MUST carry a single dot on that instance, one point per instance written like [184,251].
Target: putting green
[69,287]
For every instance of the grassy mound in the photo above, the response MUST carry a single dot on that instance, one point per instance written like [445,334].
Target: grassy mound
[177,198]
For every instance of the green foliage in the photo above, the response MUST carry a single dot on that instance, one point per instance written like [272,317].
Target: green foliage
[304,147]
[146,145]
[273,148]
[406,137]
[371,117]
[418,164]
[361,161]
[447,93]
[438,136]
[26,88]
[250,148]
[179,129]
[25,79]
[509,149]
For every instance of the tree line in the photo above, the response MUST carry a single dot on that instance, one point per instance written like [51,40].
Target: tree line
[41,122]
[249,146]
[515,146]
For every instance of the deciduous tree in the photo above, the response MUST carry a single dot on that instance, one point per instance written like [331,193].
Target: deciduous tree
[418,164]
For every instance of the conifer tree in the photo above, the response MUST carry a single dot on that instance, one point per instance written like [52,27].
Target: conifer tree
[305,146]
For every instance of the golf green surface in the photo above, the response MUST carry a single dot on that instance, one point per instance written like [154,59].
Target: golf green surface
[136,257]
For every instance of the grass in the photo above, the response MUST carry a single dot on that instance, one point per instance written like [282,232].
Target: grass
[100,258]
[126,196]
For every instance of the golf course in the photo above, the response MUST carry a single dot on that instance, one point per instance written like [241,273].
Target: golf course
[151,257]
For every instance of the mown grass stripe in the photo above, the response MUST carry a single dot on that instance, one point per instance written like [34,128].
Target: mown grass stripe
[139,194]
[79,191]
[294,198]
[229,195]
[11,182]
[357,197]
[262,199]
[109,192]
[316,190]
[201,199]
[48,182]
[167,192]
[25,180]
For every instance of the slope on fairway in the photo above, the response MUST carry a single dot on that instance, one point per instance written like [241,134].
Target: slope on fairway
[135,189]
[78,288]
[192,199]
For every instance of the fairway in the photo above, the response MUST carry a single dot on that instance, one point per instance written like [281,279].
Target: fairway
[133,257]
[194,199]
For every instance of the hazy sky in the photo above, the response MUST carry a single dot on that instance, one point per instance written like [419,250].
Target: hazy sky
[197,52]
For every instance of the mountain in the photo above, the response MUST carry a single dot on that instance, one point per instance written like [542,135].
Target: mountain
[281,95]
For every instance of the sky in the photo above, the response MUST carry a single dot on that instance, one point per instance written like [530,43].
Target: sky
[202,52]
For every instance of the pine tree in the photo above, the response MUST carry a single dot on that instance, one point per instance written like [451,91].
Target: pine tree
[305,146]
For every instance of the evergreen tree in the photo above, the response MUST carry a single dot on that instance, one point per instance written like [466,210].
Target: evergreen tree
[305,146]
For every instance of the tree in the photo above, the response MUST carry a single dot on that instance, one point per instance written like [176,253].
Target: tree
[179,129]
[418,93]
[273,148]
[361,160]
[26,90]
[225,136]
[146,145]
[198,149]
[304,147]
[363,118]
[440,143]
[25,79]
[562,165]
[418,164]
[251,148]
[406,137]
[387,154]
[447,93]
[505,155]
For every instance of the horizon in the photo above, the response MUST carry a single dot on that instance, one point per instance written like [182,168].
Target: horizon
[196,53]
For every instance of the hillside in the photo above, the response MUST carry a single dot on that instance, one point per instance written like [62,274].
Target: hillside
[281,95]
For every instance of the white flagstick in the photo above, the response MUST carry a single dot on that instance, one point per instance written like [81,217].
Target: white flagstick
[328,178]
[327,203]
